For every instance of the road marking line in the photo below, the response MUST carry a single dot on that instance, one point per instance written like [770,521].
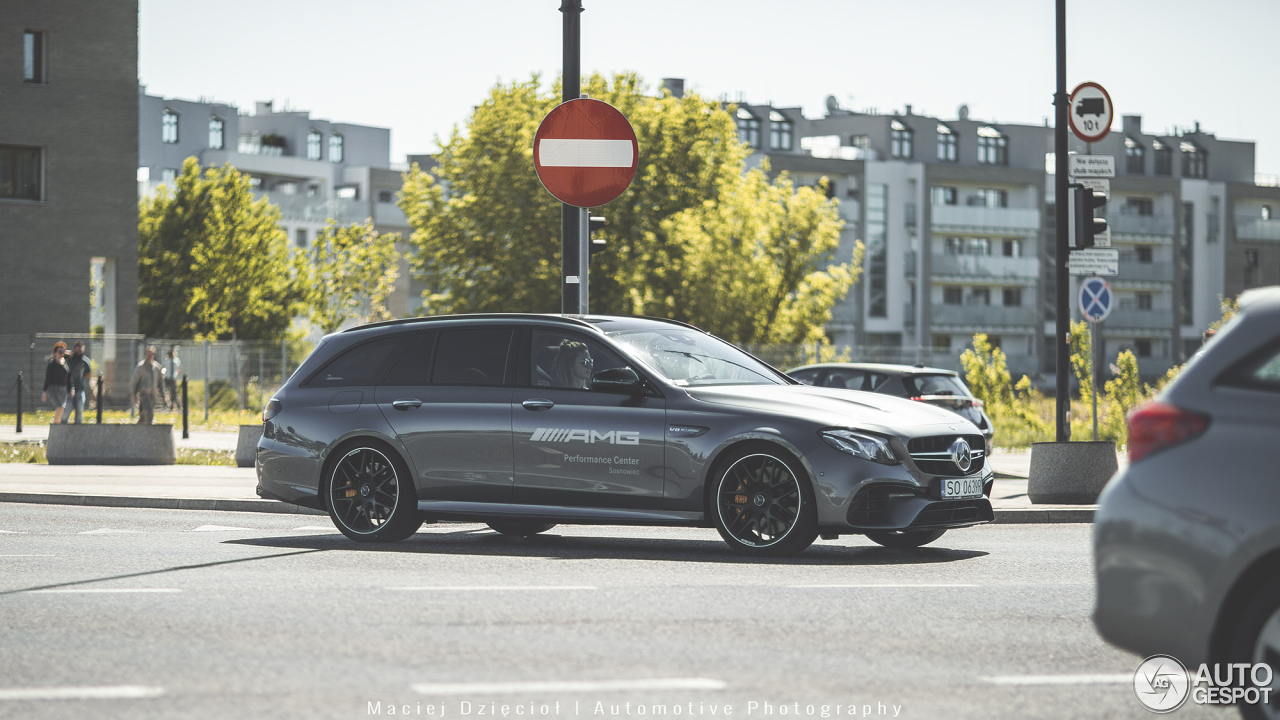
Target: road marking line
[218,528]
[28,556]
[80,693]
[1119,679]
[893,585]
[14,532]
[317,527]
[496,587]
[509,688]
[108,590]
[110,531]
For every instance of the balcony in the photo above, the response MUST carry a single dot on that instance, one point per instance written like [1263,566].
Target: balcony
[1145,272]
[1140,224]
[986,218]
[314,209]
[1252,227]
[986,266]
[981,317]
[1139,320]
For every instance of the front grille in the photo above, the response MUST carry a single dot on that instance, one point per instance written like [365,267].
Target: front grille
[949,512]
[932,454]
[870,507]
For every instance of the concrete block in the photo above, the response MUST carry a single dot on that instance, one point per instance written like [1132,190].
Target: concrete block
[111,445]
[1070,473]
[247,445]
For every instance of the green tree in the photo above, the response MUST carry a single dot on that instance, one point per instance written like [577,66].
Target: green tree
[986,372]
[213,261]
[488,234]
[348,275]
[1124,392]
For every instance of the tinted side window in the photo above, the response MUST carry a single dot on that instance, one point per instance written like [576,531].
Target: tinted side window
[472,357]
[361,365]
[938,385]
[847,379]
[808,377]
[1259,371]
[414,365]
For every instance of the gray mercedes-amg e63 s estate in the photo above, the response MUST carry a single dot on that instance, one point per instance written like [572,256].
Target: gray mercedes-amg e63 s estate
[526,421]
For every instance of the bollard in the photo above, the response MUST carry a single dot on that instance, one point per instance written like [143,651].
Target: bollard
[99,398]
[19,428]
[186,434]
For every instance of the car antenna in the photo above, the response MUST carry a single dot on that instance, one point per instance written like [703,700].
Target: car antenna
[919,364]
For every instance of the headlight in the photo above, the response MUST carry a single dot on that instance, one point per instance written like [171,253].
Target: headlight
[869,447]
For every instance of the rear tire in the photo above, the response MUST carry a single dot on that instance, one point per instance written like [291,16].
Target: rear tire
[905,539]
[762,502]
[519,528]
[370,495]
[1256,639]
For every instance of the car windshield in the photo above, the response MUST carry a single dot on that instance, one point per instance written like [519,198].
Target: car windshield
[690,358]
[937,385]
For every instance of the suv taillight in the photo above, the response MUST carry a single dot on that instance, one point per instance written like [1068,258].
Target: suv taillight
[1158,425]
[272,409]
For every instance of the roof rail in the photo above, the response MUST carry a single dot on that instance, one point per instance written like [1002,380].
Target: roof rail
[474,316]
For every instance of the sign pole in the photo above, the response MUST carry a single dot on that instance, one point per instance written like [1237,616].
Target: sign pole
[584,259]
[1062,299]
[1093,371]
[572,280]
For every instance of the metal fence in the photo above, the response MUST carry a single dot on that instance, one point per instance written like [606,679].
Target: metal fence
[222,374]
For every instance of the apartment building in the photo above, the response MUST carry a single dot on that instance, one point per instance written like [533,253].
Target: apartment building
[957,216]
[314,170]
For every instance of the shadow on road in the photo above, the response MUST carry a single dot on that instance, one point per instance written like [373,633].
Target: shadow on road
[484,542]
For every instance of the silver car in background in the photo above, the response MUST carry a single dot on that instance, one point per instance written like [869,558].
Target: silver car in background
[1187,539]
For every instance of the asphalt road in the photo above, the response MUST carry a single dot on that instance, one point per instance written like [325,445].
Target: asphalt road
[128,613]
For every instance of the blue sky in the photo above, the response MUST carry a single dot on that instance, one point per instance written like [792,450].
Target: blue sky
[418,67]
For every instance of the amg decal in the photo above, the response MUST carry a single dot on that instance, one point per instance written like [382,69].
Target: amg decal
[613,437]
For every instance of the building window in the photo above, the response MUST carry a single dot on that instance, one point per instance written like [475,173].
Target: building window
[348,192]
[900,140]
[988,197]
[860,141]
[980,296]
[1142,348]
[978,246]
[169,176]
[748,128]
[942,343]
[1195,161]
[19,172]
[779,131]
[944,195]
[1013,297]
[1164,158]
[386,196]
[335,148]
[877,251]
[955,246]
[1251,267]
[1134,157]
[993,146]
[1185,249]
[33,56]
[953,295]
[217,140]
[1266,212]
[1143,207]
[1144,253]
[169,126]
[946,144]
[300,236]
[1144,301]
[1013,248]
[313,145]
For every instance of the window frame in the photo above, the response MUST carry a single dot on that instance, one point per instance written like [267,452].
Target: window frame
[748,127]
[901,140]
[1163,163]
[1135,156]
[948,144]
[781,131]
[339,145]
[166,126]
[401,337]
[38,56]
[221,130]
[993,146]
[13,180]
[315,151]
[1195,160]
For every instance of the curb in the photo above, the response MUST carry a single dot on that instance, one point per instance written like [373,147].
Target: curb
[1008,516]
[262,506]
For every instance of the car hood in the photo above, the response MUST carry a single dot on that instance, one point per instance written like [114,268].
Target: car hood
[833,407]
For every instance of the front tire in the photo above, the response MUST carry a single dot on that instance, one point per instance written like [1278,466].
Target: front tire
[519,528]
[905,539]
[763,504]
[370,494]
[1256,639]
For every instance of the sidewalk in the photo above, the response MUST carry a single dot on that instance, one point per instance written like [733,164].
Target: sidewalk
[199,440]
[202,487]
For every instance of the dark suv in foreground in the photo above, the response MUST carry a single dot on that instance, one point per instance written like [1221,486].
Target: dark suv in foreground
[526,421]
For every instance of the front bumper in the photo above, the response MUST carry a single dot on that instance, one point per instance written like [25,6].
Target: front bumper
[885,506]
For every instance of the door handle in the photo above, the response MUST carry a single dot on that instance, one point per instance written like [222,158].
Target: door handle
[537,404]
[406,403]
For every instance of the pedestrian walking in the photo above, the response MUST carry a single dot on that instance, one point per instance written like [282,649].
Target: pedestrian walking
[146,386]
[172,369]
[57,381]
[80,369]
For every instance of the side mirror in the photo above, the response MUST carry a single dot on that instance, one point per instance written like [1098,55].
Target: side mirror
[616,380]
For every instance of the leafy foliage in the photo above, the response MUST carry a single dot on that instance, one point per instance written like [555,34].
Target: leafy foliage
[348,275]
[1017,411]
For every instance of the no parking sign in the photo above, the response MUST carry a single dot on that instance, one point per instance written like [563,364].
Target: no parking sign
[1095,299]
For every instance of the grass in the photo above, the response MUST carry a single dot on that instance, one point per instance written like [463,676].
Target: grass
[219,420]
[32,451]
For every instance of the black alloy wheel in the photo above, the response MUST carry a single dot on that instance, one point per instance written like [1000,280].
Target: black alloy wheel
[519,528]
[368,501]
[905,539]
[1254,640]
[762,507]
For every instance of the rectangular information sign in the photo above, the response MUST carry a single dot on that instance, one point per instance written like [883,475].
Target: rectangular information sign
[1094,261]
[1098,166]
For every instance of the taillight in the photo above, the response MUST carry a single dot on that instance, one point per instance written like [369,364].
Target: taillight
[272,409]
[977,403]
[1159,425]
[918,398]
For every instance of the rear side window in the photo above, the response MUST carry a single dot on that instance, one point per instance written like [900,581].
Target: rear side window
[1259,371]
[855,380]
[361,365]
[808,377]
[936,385]
[414,365]
[472,357]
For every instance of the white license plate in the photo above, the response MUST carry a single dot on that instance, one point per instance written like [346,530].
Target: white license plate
[961,488]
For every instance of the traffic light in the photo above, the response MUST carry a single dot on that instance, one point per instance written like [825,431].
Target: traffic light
[1086,227]
[596,244]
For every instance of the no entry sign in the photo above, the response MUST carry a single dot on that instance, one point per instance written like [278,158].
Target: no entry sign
[585,152]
